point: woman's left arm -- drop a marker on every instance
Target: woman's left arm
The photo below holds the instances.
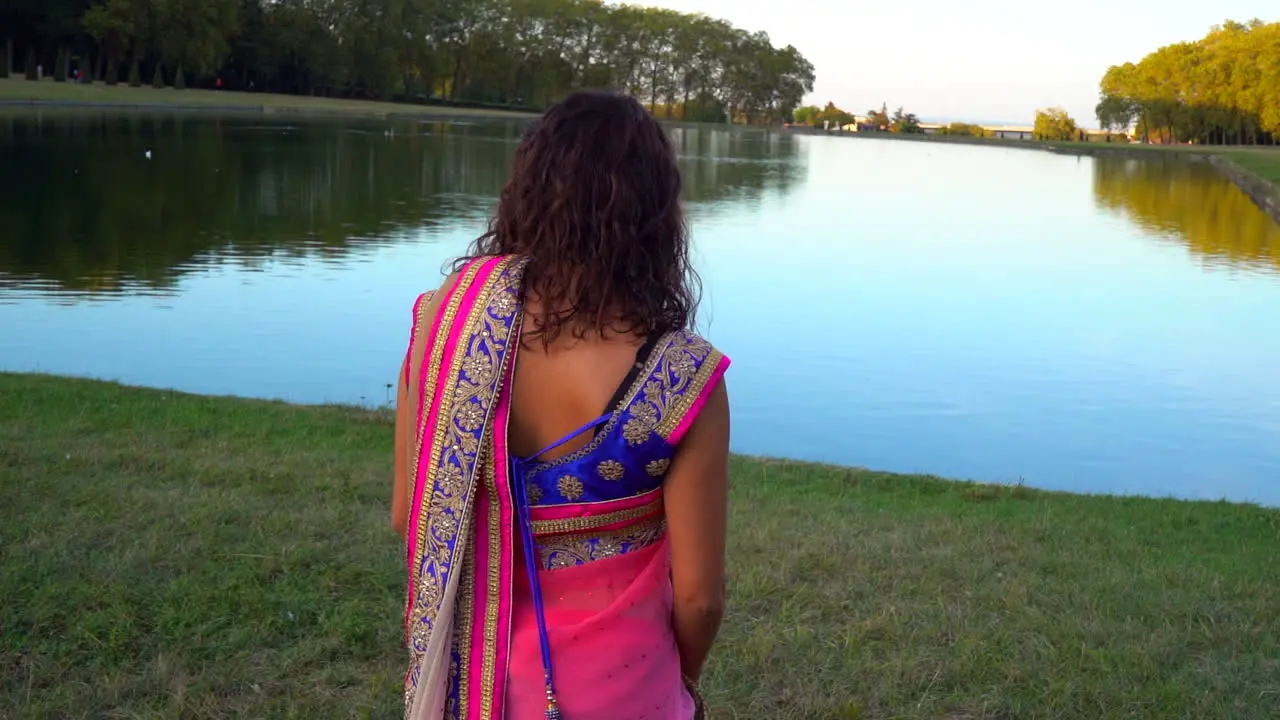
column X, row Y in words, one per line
column 407, row 405
column 406, row 411
column 404, row 430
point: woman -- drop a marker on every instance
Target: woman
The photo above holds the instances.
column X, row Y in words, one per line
column 562, row 443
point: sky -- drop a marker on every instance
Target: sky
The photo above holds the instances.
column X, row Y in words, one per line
column 988, row 62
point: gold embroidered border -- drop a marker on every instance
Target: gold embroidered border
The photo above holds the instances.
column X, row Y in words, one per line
column 448, row 504
column 419, row 330
column 430, row 377
column 511, row 278
column 565, row 551
column 655, row 359
column 583, row 524
column 684, row 399
column 493, row 589
column 465, row 620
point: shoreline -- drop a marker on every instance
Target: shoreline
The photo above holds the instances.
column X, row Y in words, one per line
column 231, row 557
column 1264, row 193
column 383, row 412
column 424, row 113
column 20, row 94
column 414, row 112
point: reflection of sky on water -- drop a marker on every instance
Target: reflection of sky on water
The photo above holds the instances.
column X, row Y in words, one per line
column 966, row 311
column 970, row 312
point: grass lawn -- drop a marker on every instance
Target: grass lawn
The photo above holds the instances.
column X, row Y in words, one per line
column 1264, row 163
column 166, row 555
column 1262, row 159
column 20, row 89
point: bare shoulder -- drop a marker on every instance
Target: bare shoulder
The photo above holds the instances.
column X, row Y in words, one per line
column 708, row 435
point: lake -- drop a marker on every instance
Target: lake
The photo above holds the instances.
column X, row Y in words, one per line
column 1095, row 325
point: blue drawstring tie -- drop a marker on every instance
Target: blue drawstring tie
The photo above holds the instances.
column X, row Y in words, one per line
column 518, row 467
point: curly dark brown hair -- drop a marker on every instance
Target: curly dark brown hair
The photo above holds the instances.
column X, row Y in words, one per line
column 594, row 203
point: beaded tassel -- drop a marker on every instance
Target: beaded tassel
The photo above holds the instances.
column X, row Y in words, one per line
column 553, row 710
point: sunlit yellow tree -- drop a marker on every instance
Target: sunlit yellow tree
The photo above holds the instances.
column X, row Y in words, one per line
column 965, row 130
column 1221, row 89
column 1055, row 124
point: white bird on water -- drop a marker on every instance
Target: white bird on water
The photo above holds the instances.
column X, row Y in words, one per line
column 148, row 154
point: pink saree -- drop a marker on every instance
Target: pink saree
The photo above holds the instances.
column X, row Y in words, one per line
column 538, row 589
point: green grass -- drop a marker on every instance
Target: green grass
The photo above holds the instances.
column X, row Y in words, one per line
column 1263, row 160
column 166, row 555
column 19, row 89
column 1264, row 164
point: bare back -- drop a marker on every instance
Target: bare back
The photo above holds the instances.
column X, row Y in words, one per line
column 560, row 388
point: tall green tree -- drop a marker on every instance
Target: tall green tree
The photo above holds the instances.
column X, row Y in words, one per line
column 880, row 118
column 525, row 53
column 904, row 122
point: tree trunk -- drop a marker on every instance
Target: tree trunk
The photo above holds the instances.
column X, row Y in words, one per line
column 6, row 58
column 62, row 66
column 113, row 71
column 457, row 77
column 135, row 72
column 29, row 66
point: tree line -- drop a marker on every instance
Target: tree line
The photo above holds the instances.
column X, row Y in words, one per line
column 831, row 116
column 1218, row 90
column 511, row 53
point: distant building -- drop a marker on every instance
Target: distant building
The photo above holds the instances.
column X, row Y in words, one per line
column 1012, row 132
column 861, row 123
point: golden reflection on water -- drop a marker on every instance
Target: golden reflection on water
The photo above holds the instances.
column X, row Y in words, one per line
column 1193, row 203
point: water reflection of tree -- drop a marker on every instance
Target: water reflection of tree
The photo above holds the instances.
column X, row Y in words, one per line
column 724, row 167
column 1193, row 202
column 90, row 213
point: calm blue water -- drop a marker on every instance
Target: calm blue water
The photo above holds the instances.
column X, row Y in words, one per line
column 980, row 313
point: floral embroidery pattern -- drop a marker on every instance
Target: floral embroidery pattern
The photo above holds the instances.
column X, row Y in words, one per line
column 690, row 364
column 479, row 367
column 686, row 365
column 570, row 487
column 611, row 470
column 535, row 492
column 470, row 417
column 658, row 468
column 642, row 421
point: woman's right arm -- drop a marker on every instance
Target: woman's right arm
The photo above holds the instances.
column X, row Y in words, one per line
column 696, row 496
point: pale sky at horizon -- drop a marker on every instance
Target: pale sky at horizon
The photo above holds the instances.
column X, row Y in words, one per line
column 958, row 61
